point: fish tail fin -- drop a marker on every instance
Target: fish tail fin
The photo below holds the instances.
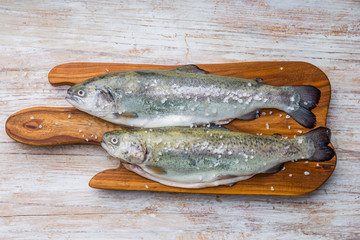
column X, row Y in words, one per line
column 309, row 98
column 321, row 138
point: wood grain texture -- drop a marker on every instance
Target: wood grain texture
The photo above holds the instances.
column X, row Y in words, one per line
column 44, row 126
column 43, row 189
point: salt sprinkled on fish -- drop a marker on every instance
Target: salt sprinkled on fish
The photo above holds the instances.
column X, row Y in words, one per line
column 220, row 98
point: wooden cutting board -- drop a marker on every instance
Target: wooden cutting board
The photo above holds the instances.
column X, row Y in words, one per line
column 52, row 126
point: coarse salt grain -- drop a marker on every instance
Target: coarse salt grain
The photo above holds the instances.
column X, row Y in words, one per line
column 31, row 117
column 147, row 186
column 272, row 188
column 40, row 126
column 69, row 116
column 299, row 131
column 306, row 173
column 267, row 125
column 290, row 175
column 281, row 68
column 287, row 116
column 80, row 130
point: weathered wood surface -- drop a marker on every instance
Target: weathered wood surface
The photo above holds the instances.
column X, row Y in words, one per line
column 43, row 190
column 53, row 126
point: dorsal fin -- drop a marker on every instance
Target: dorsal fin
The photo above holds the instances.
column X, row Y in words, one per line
column 191, row 68
column 259, row 80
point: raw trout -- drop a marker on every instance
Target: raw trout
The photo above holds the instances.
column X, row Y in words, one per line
column 185, row 96
column 204, row 157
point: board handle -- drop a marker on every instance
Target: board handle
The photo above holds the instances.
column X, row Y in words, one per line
column 44, row 126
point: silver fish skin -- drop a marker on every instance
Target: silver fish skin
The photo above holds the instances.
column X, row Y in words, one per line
column 185, row 96
column 204, row 157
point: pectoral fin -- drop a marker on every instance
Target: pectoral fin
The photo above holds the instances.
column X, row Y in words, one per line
column 157, row 170
column 125, row 115
column 222, row 177
column 259, row 80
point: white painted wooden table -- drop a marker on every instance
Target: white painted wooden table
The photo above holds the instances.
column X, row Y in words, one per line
column 44, row 191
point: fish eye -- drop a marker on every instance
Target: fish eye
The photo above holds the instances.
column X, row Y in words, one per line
column 81, row 93
column 114, row 140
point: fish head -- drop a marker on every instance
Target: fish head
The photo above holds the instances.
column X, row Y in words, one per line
column 125, row 146
column 93, row 98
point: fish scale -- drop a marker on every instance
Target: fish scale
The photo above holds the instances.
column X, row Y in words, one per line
column 185, row 96
column 201, row 157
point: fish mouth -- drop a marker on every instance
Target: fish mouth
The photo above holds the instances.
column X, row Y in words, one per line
column 75, row 101
column 106, row 147
column 103, row 144
column 110, row 150
column 70, row 99
column 80, row 104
